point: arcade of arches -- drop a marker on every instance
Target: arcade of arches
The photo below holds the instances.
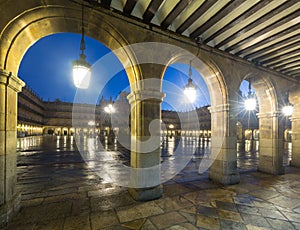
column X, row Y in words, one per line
column 23, row 23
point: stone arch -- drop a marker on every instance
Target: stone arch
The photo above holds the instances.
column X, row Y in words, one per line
column 265, row 91
column 33, row 24
column 222, row 162
column 211, row 74
column 270, row 124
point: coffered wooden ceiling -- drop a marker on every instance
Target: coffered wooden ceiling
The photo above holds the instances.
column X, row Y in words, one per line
column 265, row 32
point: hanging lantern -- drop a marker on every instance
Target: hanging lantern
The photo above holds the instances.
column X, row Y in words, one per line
column 81, row 68
column 190, row 89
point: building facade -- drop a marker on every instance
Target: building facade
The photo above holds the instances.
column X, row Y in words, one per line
column 38, row 117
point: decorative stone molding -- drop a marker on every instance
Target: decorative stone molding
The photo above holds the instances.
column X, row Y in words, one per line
column 141, row 95
column 11, row 81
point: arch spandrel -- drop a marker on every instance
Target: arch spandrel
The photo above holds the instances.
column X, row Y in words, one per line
column 265, row 91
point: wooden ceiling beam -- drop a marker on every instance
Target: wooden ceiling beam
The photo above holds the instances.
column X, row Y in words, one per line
column 227, row 9
column 239, row 19
column 257, row 22
column 265, row 31
column 194, row 16
column 128, row 8
column 151, row 10
column 265, row 50
column 180, row 6
column 269, row 39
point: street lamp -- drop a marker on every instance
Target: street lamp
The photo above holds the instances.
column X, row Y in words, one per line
column 81, row 68
column 109, row 109
column 190, row 88
column 250, row 102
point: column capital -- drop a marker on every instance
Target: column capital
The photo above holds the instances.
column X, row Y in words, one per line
column 268, row 115
column 8, row 79
column 295, row 118
column 141, row 95
column 219, row 108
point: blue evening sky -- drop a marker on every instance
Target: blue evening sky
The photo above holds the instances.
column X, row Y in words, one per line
column 47, row 69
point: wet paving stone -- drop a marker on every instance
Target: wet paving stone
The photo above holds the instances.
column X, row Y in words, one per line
column 138, row 211
column 148, row 226
column 80, row 222
column 285, row 202
column 111, row 202
column 255, row 220
column 173, row 203
column 247, row 209
column 183, row 226
column 137, row 224
column 106, row 219
column 280, row 224
column 231, row 225
column 271, row 213
column 230, row 206
column 265, row 194
column 191, row 217
column 59, row 191
column 207, row 211
column 294, row 217
column 229, row 215
column 167, row 219
column 208, row 222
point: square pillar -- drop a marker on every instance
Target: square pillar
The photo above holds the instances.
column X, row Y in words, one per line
column 145, row 144
column 295, row 119
column 9, row 197
column 295, row 141
column 270, row 143
column 223, row 146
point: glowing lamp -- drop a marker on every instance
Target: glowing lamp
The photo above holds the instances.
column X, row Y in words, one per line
column 81, row 73
column 190, row 91
column 109, row 109
column 81, row 68
column 250, row 104
column 288, row 110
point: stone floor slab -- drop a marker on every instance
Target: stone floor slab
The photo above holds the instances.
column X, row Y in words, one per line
column 60, row 192
column 138, row 211
column 80, row 222
column 280, row 224
column 231, row 225
column 255, row 220
column 229, row 215
column 167, row 220
column 105, row 219
column 208, row 222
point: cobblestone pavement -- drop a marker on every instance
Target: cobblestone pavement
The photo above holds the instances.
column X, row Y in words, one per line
column 60, row 192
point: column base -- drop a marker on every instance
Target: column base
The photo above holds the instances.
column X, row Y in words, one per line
column 265, row 169
column 146, row 194
column 225, row 179
column 9, row 209
column 295, row 163
column 224, row 172
column 266, row 165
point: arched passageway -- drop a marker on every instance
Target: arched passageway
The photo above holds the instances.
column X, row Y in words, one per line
column 25, row 23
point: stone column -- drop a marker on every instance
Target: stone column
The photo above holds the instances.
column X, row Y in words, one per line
column 270, row 143
column 223, row 146
column 145, row 143
column 295, row 119
column 9, row 197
